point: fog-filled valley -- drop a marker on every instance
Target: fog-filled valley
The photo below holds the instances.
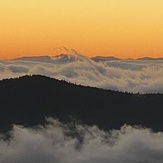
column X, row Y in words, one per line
column 144, row 75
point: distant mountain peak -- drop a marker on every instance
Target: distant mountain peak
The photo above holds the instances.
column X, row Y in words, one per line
column 66, row 55
column 66, row 58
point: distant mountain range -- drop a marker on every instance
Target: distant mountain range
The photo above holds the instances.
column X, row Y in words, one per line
column 35, row 59
column 64, row 58
column 111, row 58
column 148, row 58
column 28, row 100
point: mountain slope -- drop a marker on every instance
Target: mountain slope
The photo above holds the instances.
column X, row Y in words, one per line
column 29, row 99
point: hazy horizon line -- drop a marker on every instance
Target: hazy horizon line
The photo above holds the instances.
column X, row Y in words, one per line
column 102, row 56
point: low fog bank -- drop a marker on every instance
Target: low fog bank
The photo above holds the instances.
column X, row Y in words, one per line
column 143, row 76
column 76, row 143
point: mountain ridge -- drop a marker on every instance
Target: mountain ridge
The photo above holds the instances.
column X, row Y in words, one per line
column 28, row 100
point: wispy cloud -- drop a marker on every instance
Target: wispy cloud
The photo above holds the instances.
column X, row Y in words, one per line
column 61, row 143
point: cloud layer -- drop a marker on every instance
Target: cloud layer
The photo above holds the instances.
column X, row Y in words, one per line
column 142, row 76
column 71, row 143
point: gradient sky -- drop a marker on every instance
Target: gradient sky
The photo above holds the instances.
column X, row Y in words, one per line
column 121, row 28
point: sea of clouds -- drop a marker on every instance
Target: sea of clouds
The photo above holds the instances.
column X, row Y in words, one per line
column 76, row 143
column 143, row 76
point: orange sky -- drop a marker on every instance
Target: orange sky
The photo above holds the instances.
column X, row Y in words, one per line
column 121, row 28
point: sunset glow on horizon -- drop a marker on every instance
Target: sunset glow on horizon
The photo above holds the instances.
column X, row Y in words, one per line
column 124, row 29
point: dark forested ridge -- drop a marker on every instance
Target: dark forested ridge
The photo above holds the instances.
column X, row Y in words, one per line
column 28, row 100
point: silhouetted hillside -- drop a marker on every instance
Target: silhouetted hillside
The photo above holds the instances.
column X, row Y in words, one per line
column 29, row 99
